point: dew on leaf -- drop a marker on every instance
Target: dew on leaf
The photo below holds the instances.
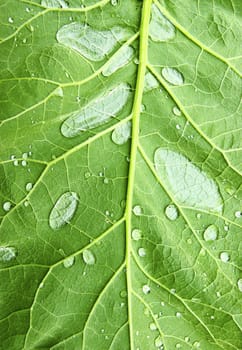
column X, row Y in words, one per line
column 91, row 43
column 238, row 214
column 15, row 162
column 239, row 283
column 178, row 126
column 171, row 212
column 196, row 344
column 187, row 339
column 189, row 185
column 173, row 76
column 158, row 341
column 150, row 82
column 224, row 257
column 24, row 163
column 69, row 262
column 137, row 210
column 142, row 108
column 88, row 257
column 7, row 254
column 114, row 2
column 97, row 112
column 87, row 175
column 10, row 20
column 63, row 210
column 26, row 203
column 153, row 326
column 146, row 289
column 160, row 29
column 54, row 3
column 136, row 234
column 211, row 233
column 29, row 186
column 7, row 206
column 176, row 111
column 178, row 346
column 123, row 294
column 25, row 155
column 178, row 315
column 118, row 60
column 141, row 252
column 121, row 133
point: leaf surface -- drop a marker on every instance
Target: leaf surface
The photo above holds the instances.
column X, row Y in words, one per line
column 120, row 129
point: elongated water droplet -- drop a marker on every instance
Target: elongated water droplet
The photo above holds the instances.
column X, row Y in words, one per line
column 69, row 262
column 224, row 257
column 211, row 233
column 239, row 283
column 137, row 210
column 146, row 289
column 171, row 212
column 136, row 234
column 63, row 210
column 29, row 186
column 158, row 341
column 7, row 253
column 160, row 29
column 97, row 112
column 141, row 252
column 150, row 82
column 176, row 111
column 173, row 76
column 119, row 60
column 88, row 257
column 121, row 133
column 7, row 206
column 54, row 3
column 91, row 43
column 189, row 185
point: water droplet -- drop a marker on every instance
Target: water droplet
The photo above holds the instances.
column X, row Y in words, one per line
column 176, row 111
column 137, row 210
column 54, row 3
column 24, row 163
column 25, row 155
column 187, row 339
column 97, row 112
column 211, row 233
column 226, row 228
column 114, row 2
column 15, row 162
column 238, row 214
column 29, row 186
column 189, row 241
column 141, row 252
column 69, row 262
column 218, row 294
column 212, row 317
column 63, row 210
column 173, row 76
column 105, row 181
column 178, row 346
column 7, row 206
column 88, row 257
column 158, row 341
column 93, row 44
column 239, row 283
column 224, row 257
column 178, row 127
column 146, row 289
column 26, row 203
column 150, row 82
column 136, row 234
column 160, row 29
column 196, row 344
column 118, row 60
column 162, row 303
column 171, row 212
column 123, row 294
column 121, row 133
column 198, row 216
column 7, row 254
column 153, row 326
column 189, row 185
column 178, row 315
column 10, row 20
column 173, row 291
column 87, row 175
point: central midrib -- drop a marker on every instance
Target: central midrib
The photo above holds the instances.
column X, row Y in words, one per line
column 143, row 55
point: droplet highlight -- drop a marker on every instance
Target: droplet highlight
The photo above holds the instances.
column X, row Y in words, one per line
column 136, row 234
column 7, row 206
column 146, row 289
column 54, row 3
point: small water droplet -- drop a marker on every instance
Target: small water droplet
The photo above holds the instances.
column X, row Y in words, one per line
column 123, row 294
column 63, row 210
column 27, row 9
column 211, row 233
column 178, row 315
column 153, row 326
column 196, row 344
column 146, row 289
column 7, row 254
column 212, row 317
column 114, row 2
column 189, row 241
column 173, row 76
column 198, row 216
column 238, row 214
column 239, row 283
column 136, row 234
column 162, row 303
column 137, row 210
column 87, row 175
column 88, row 257
column 178, row 346
column 141, row 252
column 178, row 127
column 150, row 82
column 158, row 341
column 187, row 339
column 176, row 111
column 69, row 262
column 136, row 60
column 10, row 20
column 105, row 181
column 24, row 163
column 224, row 257
column 171, row 212
column 29, row 186
column 26, row 203
column 121, row 133
column 25, row 155
column 7, row 206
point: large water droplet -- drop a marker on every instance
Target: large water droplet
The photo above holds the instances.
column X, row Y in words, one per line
column 29, row 186
column 141, row 252
column 160, row 29
column 150, row 82
column 7, row 206
column 146, row 289
column 189, row 185
column 54, row 3
column 172, row 75
column 88, row 257
column 121, row 133
column 171, row 212
column 238, row 214
column 224, row 257
column 91, row 43
column 136, row 234
column 69, row 262
column 211, row 233
column 239, row 283
column 158, row 341
column 7, row 253
column 119, row 60
column 137, row 210
column 99, row 111
column 63, row 210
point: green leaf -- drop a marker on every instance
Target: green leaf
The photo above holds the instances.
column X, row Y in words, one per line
column 120, row 129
